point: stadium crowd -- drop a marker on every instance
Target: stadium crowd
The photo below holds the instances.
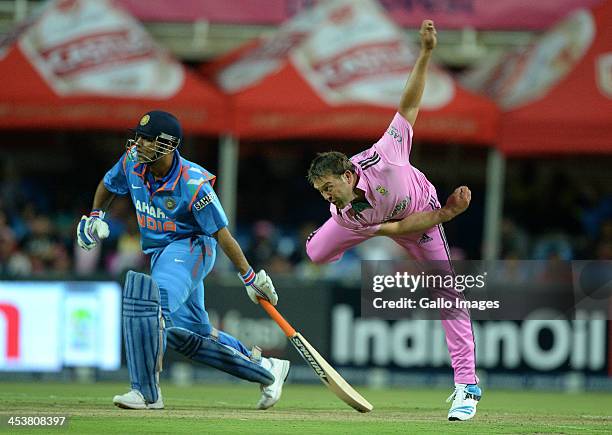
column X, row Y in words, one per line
column 547, row 216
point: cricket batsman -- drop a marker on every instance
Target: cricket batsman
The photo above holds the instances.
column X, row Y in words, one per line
column 181, row 223
column 379, row 193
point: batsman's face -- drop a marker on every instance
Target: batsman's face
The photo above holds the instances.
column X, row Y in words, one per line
column 145, row 148
column 337, row 189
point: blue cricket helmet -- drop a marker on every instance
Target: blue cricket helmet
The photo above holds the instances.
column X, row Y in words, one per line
column 162, row 129
column 156, row 122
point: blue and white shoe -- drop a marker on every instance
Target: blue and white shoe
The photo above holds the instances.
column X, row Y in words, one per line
column 466, row 398
column 272, row 393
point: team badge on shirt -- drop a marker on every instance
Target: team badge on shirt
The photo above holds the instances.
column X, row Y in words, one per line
column 170, row 203
column 380, row 189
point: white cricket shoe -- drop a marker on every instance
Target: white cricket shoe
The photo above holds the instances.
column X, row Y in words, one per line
column 466, row 398
column 272, row 393
column 135, row 400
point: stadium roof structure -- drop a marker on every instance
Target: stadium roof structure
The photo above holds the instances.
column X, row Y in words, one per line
column 337, row 71
column 85, row 64
column 556, row 96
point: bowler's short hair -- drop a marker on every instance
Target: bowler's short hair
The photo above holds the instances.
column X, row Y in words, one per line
column 329, row 163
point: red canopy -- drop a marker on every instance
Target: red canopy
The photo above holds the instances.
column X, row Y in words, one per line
column 557, row 95
column 337, row 71
column 85, row 64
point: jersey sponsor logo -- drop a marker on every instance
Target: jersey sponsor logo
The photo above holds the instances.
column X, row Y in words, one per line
column 399, row 208
column 395, row 134
column 153, row 218
column 150, row 209
column 203, row 202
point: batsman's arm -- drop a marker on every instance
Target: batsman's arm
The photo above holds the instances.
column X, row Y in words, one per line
column 456, row 204
column 413, row 91
column 232, row 249
column 103, row 198
column 257, row 285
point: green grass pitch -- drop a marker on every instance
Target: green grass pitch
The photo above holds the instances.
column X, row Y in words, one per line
column 303, row 409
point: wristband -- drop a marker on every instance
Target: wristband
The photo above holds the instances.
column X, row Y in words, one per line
column 249, row 277
column 97, row 213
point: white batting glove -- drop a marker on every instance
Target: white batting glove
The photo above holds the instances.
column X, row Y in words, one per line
column 91, row 230
column 259, row 286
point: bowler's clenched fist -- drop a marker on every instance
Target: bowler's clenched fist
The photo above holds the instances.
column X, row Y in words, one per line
column 428, row 35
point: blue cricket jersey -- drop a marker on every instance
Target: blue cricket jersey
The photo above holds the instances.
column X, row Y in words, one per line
column 181, row 205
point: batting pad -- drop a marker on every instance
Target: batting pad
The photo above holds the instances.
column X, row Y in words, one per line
column 207, row 350
column 143, row 329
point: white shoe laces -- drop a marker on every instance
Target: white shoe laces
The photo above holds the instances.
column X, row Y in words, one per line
column 454, row 393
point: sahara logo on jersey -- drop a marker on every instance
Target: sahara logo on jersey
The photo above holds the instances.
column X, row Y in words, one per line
column 153, row 218
column 203, row 202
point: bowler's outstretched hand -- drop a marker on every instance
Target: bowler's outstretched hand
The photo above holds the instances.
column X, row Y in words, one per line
column 428, row 34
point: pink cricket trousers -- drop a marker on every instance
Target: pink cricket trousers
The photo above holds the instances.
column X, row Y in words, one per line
column 331, row 240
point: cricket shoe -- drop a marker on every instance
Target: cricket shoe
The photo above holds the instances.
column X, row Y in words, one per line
column 135, row 400
column 466, row 398
column 272, row 393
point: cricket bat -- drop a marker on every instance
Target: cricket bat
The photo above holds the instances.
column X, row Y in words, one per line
column 328, row 375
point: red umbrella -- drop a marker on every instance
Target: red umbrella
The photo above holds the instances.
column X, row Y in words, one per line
column 84, row 64
column 337, row 71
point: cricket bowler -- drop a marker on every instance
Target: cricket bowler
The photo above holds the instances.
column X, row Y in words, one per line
column 379, row 193
column 181, row 223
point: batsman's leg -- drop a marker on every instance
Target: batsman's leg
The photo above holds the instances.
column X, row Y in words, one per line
column 208, row 350
column 143, row 330
column 279, row 369
column 188, row 329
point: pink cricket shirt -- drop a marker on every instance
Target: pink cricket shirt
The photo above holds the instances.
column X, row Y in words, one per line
column 393, row 187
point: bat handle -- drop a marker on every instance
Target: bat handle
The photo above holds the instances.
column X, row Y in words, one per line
column 275, row 315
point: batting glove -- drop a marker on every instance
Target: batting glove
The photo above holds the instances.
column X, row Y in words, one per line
column 259, row 286
column 91, row 230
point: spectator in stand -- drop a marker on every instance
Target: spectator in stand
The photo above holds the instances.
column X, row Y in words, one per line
column 129, row 254
column 263, row 246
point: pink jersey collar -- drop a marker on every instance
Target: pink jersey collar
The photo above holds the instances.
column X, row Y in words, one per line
column 362, row 184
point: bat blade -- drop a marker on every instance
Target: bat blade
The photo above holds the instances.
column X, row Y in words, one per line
column 329, row 376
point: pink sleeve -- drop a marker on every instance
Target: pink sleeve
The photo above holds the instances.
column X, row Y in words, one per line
column 395, row 144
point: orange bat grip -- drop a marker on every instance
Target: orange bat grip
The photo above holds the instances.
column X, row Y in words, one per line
column 280, row 320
